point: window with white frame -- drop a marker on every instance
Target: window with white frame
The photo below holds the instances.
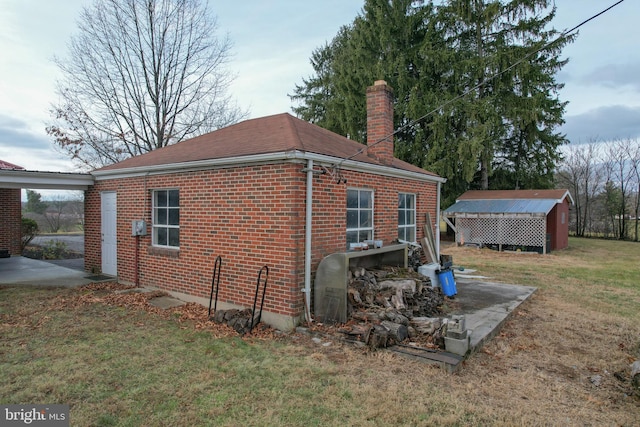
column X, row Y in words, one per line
column 359, row 215
column 166, row 218
column 407, row 217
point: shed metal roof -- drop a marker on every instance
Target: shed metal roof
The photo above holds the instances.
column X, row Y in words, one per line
column 506, row 206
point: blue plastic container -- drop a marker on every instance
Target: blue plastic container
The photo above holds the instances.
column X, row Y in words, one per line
column 447, row 283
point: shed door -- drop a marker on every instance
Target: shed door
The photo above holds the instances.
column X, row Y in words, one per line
column 109, row 234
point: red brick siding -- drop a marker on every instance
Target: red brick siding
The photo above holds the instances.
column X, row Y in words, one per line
column 380, row 121
column 10, row 220
column 92, row 224
column 329, row 215
column 251, row 216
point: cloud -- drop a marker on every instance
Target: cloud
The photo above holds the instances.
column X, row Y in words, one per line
column 16, row 133
column 604, row 124
column 21, row 145
column 616, row 76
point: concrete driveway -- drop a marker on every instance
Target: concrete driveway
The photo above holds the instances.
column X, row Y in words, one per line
column 18, row 270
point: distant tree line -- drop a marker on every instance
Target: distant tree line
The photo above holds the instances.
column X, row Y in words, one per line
column 57, row 214
column 604, row 180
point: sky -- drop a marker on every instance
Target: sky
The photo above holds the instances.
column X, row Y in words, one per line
column 272, row 43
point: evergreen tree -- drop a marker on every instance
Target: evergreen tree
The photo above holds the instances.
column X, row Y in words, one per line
column 474, row 81
column 35, row 203
column 384, row 42
column 505, row 64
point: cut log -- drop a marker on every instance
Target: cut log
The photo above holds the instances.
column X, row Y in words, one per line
column 412, row 332
column 366, row 316
column 237, row 319
column 396, row 331
column 396, row 317
column 218, row 316
column 369, row 297
column 397, row 302
column 382, row 301
column 426, row 325
column 354, row 296
column 359, row 332
column 409, row 284
column 379, row 337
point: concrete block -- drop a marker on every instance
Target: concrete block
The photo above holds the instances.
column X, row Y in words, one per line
column 456, row 346
column 458, row 335
column 457, row 323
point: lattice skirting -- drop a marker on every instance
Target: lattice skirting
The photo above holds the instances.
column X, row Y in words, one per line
column 502, row 230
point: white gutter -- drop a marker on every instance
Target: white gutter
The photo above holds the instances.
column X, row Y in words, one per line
column 13, row 178
column 307, row 241
column 292, row 155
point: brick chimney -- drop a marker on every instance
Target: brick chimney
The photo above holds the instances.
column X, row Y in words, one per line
column 380, row 121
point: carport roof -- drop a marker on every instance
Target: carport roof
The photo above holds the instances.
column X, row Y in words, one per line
column 11, row 166
column 20, row 178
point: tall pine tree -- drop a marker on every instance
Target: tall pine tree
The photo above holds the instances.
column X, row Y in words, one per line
column 467, row 105
column 513, row 111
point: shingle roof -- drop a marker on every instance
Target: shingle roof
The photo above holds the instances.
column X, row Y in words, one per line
column 7, row 165
column 271, row 134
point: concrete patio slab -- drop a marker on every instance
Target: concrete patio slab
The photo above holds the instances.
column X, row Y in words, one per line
column 166, row 302
column 18, row 270
column 486, row 306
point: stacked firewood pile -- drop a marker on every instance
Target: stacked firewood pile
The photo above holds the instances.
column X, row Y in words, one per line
column 415, row 257
column 391, row 306
column 239, row 320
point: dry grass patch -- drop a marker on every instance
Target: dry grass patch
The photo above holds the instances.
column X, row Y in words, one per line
column 561, row 359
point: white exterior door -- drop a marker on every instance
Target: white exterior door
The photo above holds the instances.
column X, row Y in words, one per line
column 109, row 233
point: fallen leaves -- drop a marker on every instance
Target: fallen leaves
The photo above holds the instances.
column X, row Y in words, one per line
column 188, row 315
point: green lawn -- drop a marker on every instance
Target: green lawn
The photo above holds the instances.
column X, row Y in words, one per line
column 123, row 366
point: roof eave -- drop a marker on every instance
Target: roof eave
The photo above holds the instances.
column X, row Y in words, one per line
column 45, row 180
column 290, row 155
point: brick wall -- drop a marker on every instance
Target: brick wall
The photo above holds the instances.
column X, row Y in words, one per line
column 251, row 216
column 380, row 121
column 10, row 220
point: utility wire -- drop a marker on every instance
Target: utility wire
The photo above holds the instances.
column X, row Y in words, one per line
column 482, row 83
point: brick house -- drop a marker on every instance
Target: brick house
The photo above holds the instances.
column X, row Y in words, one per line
column 275, row 191
column 11, row 214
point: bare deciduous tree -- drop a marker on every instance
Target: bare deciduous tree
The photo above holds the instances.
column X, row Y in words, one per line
column 582, row 174
column 54, row 215
column 634, row 163
column 140, row 75
column 620, row 173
